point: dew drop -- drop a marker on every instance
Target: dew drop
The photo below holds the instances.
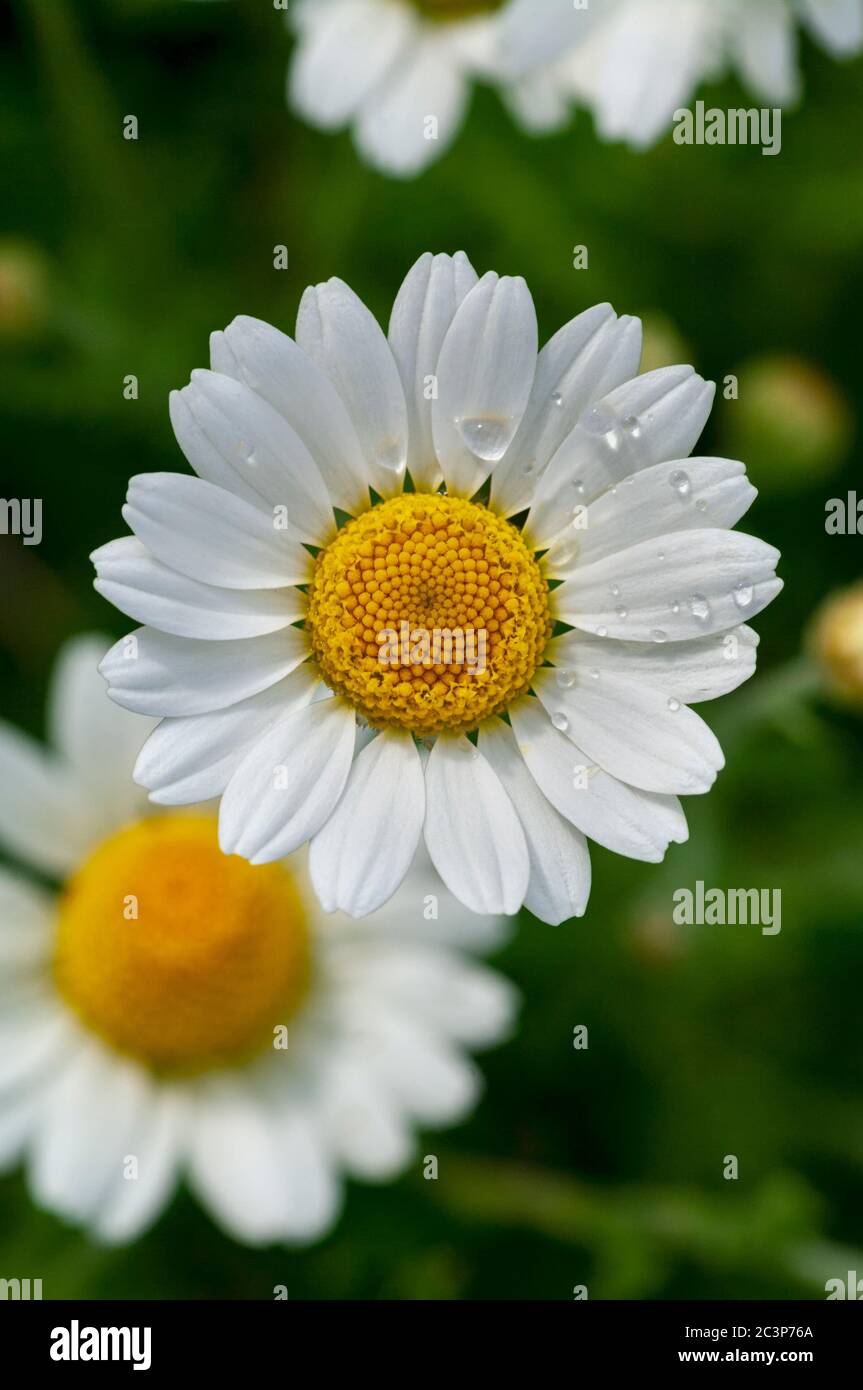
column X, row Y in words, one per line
column 661, row 556
column 391, row 456
column 557, row 399
column 673, row 705
column 658, row 635
column 699, row 607
column 682, row 485
column 599, row 419
column 615, row 591
column 622, row 613
column 565, row 553
column 602, row 632
column 565, row 679
column 675, row 607
column 701, row 506
column 560, row 721
column 593, row 673
column 251, row 458
column 742, row 594
column 632, row 426
column 579, row 487
column 486, row 436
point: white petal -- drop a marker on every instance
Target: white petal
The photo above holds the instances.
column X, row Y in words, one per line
column 654, row 417
column 193, row 759
column 345, row 51
column 590, row 356
column 485, row 375
column 559, row 858
column 364, row 1125
column 289, row 783
column 134, row 1203
column 535, row 32
column 537, row 104
column 686, row 585
column 42, row 811
column 94, row 737
column 144, row 589
column 364, row 850
column 208, row 534
column 764, row 44
column 392, row 130
column 82, row 1140
column 838, row 24
column 273, row 365
column 257, row 446
column 340, row 334
column 209, row 459
column 235, row 1166
column 423, row 311
column 635, row 732
column 467, row 1002
column 702, row 669
column 685, row 495
column 429, row 1078
column 153, row 673
column 637, row 824
column 26, row 922
column 314, row 1192
column 472, row 831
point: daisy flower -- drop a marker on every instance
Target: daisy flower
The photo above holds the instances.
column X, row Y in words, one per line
column 174, row 1013
column 399, row 73
column 636, row 62
column 551, row 511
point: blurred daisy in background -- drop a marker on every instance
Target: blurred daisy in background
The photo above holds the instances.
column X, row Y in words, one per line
column 171, row 1013
column 399, row 73
column 615, row 599
column 635, row 62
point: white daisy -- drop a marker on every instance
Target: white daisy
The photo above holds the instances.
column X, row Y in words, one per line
column 174, row 1013
column 582, row 733
column 399, row 73
column 635, row 62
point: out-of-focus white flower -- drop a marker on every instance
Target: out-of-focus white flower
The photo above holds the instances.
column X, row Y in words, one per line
column 399, row 73
column 635, row 62
column 176, row 1013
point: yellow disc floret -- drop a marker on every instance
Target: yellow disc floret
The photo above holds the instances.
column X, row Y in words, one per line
column 456, row 9
column 428, row 613
column 176, row 954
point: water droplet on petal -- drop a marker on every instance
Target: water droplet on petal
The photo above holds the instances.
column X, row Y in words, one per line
column 593, row 673
column 565, row 554
column 251, row 458
column 622, row 613
column 579, row 487
column 673, row 705
column 560, row 721
column 675, row 607
column 565, row 679
column 742, row 594
column 661, row 556
column 486, row 436
column 701, row 506
column 658, row 635
column 615, row 591
column 390, row 455
column 681, row 483
column 602, row 632
column 632, row 426
column 699, row 607
column 557, row 399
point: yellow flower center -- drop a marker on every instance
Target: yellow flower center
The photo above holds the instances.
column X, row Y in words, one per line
column 176, row 954
column 455, row 9
column 428, row 613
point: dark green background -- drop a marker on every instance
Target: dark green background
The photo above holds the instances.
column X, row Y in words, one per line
column 601, row 1167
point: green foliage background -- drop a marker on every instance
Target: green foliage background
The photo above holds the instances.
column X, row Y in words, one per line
column 601, row 1167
